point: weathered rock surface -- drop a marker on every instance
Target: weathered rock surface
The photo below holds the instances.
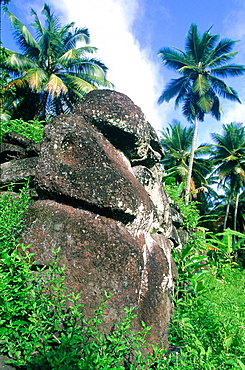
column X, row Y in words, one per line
column 123, row 123
column 18, row 158
column 78, row 163
column 16, row 146
column 101, row 201
column 4, row 363
column 17, row 170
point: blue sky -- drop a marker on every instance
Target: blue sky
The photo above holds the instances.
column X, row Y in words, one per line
column 129, row 34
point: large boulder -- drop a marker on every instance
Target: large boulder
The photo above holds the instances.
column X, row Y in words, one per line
column 101, row 201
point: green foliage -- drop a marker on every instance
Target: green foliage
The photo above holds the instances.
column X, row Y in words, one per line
column 210, row 327
column 189, row 211
column 43, row 327
column 7, row 94
column 207, row 327
column 227, row 244
column 12, row 208
column 30, row 129
column 191, row 260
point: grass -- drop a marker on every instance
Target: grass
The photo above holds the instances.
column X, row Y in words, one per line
column 211, row 325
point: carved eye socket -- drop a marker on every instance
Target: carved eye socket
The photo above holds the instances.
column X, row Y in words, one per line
column 69, row 149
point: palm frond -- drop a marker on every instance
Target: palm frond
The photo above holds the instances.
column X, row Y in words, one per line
column 36, row 79
column 193, row 41
column 52, row 23
column 175, row 87
column 198, row 47
column 173, row 59
column 55, row 86
column 203, row 149
column 17, row 83
column 229, row 71
column 73, row 56
column 190, row 108
column 224, row 46
column 216, row 109
column 200, row 85
column 177, row 138
column 96, row 80
column 219, row 61
column 223, row 90
column 37, row 24
column 208, row 42
column 22, row 35
column 89, row 66
column 205, row 103
column 71, row 38
column 78, row 85
column 18, row 62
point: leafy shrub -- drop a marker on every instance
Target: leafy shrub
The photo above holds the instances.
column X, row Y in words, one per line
column 208, row 325
column 189, row 211
column 12, row 208
column 31, row 129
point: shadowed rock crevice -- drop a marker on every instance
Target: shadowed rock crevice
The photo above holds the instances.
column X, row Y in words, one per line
column 124, row 141
column 115, row 214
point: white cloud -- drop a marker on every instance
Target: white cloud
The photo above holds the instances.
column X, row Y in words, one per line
column 235, row 113
column 131, row 69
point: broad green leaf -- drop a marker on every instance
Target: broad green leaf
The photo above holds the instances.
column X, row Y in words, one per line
column 241, row 364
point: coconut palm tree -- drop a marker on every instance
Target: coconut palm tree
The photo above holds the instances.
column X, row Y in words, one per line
column 221, row 207
column 52, row 73
column 199, row 88
column 229, row 157
column 176, row 141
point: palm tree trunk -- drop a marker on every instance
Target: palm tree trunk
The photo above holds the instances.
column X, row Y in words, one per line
column 193, row 146
column 41, row 105
column 235, row 213
column 227, row 211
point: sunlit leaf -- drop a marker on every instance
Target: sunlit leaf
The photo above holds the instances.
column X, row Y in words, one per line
column 55, row 86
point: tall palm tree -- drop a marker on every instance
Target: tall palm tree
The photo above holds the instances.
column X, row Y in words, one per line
column 176, row 141
column 229, row 157
column 52, row 73
column 226, row 214
column 199, row 88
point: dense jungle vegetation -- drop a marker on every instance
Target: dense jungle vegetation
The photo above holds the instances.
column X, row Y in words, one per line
column 206, row 183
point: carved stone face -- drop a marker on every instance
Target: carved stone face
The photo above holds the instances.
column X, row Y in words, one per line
column 93, row 206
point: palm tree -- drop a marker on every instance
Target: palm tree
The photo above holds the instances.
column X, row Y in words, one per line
column 198, row 88
column 229, row 157
column 52, row 73
column 226, row 214
column 176, row 141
